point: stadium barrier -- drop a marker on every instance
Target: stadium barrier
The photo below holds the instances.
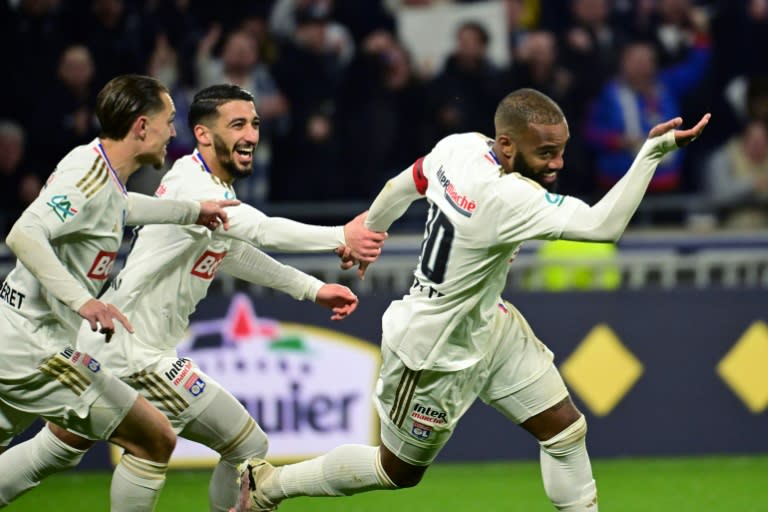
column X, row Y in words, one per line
column 656, row 372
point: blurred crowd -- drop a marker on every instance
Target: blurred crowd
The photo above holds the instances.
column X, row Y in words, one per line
column 344, row 106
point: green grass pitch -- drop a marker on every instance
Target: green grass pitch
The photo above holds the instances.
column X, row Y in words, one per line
column 711, row 484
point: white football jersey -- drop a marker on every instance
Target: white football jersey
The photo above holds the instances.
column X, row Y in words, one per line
column 166, row 273
column 478, row 218
column 83, row 207
column 169, row 269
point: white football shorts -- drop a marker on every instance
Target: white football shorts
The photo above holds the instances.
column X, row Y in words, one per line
column 42, row 376
column 419, row 409
column 176, row 386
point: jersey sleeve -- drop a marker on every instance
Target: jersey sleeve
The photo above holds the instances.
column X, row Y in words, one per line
column 419, row 179
column 398, row 193
column 67, row 203
column 526, row 211
column 143, row 209
column 250, row 225
column 250, row 264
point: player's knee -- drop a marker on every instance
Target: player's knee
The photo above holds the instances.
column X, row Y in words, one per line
column 160, row 442
column 411, row 479
column 568, row 439
column 402, row 474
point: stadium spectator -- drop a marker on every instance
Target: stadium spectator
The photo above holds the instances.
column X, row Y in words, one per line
column 538, row 66
column 19, row 186
column 631, row 104
column 380, row 89
column 452, row 339
column 363, row 18
column 69, row 104
column 165, row 65
column 240, row 65
column 307, row 58
column 33, row 35
column 288, row 15
column 672, row 25
column 737, row 178
column 590, row 47
column 516, row 17
column 65, row 243
column 462, row 95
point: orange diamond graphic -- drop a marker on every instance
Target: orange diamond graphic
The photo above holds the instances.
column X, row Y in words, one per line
column 601, row 370
column 743, row 367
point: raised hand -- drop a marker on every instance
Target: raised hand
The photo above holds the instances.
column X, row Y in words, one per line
column 212, row 213
column 100, row 316
column 338, row 299
column 682, row 137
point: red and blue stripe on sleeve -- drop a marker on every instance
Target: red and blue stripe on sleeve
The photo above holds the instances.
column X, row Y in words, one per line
column 418, row 176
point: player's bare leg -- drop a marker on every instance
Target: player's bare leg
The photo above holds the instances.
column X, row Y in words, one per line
column 146, row 435
column 565, row 466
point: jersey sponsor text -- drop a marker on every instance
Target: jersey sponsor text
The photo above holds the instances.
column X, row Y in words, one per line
column 205, row 267
column 102, row 265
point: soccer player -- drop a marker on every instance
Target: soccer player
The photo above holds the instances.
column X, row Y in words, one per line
column 169, row 269
column 65, row 243
column 452, row 339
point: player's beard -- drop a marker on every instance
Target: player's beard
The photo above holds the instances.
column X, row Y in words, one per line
column 156, row 161
column 224, row 156
column 519, row 164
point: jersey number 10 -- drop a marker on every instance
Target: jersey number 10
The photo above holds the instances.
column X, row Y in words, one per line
column 436, row 245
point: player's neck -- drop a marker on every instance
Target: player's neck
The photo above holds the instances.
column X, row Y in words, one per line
column 122, row 158
column 213, row 165
column 501, row 158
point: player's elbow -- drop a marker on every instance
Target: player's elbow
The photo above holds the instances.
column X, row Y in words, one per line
column 13, row 240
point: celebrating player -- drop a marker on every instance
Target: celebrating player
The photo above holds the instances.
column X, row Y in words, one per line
column 452, row 339
column 65, row 243
column 170, row 268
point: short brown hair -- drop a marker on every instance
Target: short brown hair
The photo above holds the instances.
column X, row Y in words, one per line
column 523, row 107
column 124, row 99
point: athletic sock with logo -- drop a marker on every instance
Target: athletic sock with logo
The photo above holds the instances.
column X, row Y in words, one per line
column 345, row 470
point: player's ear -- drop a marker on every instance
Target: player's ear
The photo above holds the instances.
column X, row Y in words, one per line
column 140, row 127
column 507, row 145
column 203, row 135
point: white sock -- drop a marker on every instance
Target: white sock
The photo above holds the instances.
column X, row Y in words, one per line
column 345, row 470
column 136, row 484
column 567, row 472
column 33, row 460
column 223, row 490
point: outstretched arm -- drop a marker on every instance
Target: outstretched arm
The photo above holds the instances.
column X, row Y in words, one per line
column 250, row 264
column 608, row 218
column 250, row 225
column 390, row 204
column 392, row 201
column 144, row 209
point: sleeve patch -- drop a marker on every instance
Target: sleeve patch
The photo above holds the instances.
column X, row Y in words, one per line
column 419, row 179
column 555, row 199
column 62, row 207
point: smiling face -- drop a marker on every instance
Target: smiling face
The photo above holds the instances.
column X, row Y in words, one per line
column 234, row 134
column 157, row 130
column 539, row 153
